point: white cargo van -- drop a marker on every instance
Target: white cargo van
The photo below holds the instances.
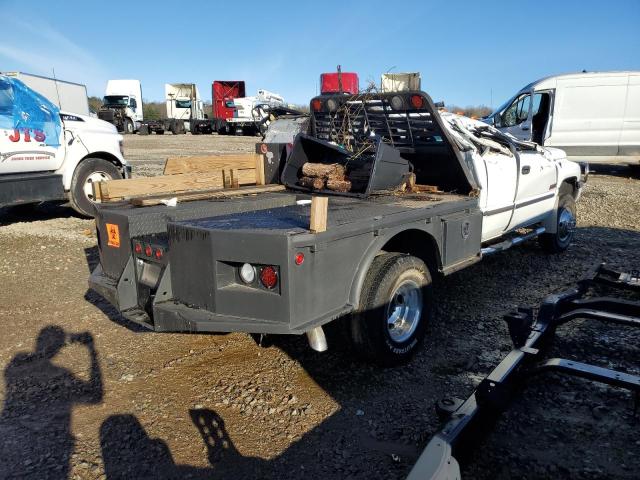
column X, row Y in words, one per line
column 593, row 116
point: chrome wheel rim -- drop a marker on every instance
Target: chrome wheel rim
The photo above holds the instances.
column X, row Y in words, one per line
column 91, row 179
column 566, row 225
column 404, row 310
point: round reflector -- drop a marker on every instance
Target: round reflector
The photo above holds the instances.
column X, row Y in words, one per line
column 396, row 102
column 316, row 104
column 148, row 251
column 159, row 253
column 137, row 247
column 247, row 273
column 299, row 258
column 269, row 277
column 417, row 101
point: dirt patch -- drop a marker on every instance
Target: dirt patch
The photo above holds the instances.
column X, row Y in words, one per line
column 122, row 402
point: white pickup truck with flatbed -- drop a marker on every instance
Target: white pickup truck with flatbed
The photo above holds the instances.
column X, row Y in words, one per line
column 49, row 155
column 428, row 193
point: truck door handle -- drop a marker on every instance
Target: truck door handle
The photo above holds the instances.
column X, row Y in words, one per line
column 526, row 169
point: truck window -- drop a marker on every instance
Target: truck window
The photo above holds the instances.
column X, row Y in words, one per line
column 6, row 99
column 132, row 103
column 183, row 103
column 517, row 112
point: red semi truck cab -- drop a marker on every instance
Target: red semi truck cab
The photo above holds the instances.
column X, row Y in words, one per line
column 222, row 93
column 339, row 82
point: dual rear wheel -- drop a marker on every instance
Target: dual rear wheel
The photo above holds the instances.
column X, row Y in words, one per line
column 395, row 309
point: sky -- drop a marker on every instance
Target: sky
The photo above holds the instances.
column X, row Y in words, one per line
column 468, row 52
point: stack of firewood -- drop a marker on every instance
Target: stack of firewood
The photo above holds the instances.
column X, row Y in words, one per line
column 320, row 176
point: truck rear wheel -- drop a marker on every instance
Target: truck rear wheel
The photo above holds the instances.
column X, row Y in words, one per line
column 560, row 241
column 395, row 308
column 88, row 172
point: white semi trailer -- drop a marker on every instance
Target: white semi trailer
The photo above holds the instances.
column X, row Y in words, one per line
column 67, row 96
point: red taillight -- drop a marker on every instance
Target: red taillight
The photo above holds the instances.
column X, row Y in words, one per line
column 316, row 104
column 137, row 247
column 159, row 253
column 269, row 277
column 417, row 101
column 148, row 251
column 299, row 258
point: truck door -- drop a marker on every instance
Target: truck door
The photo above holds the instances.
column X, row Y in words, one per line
column 498, row 192
column 537, row 183
column 515, row 119
column 30, row 136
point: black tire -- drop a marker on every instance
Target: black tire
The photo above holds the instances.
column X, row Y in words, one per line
column 80, row 201
column 558, row 242
column 159, row 132
column 128, row 127
column 394, row 280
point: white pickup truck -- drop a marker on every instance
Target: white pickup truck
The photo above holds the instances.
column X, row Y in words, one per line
column 48, row 155
column 424, row 193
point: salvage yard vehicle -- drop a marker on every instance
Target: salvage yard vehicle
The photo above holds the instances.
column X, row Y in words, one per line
column 593, row 116
column 122, row 105
column 46, row 154
column 420, row 193
column 70, row 97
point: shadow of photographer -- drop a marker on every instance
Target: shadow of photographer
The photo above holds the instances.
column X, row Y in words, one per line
column 35, row 424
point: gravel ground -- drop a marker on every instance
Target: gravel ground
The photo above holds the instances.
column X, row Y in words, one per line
column 120, row 402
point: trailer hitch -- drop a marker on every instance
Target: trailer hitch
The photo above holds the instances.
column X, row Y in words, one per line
column 530, row 334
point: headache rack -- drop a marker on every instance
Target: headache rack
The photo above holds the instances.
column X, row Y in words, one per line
column 404, row 120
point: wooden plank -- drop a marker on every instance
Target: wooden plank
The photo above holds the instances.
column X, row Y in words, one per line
column 260, row 178
column 208, row 195
column 208, row 163
column 169, row 184
column 319, row 207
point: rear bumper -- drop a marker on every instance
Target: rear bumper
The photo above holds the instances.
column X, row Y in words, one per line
column 172, row 316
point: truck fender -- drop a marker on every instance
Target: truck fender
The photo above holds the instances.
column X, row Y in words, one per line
column 550, row 223
column 69, row 168
column 377, row 247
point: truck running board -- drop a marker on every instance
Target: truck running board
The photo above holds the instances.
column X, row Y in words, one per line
column 510, row 242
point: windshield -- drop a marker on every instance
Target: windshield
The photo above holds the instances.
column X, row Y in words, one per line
column 6, row 98
column 183, row 103
column 116, row 100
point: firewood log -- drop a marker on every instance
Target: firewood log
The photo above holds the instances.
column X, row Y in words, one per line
column 321, row 170
column 339, row 185
column 311, row 182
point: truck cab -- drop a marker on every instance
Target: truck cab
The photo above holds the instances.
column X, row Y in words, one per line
column 46, row 154
column 122, row 105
